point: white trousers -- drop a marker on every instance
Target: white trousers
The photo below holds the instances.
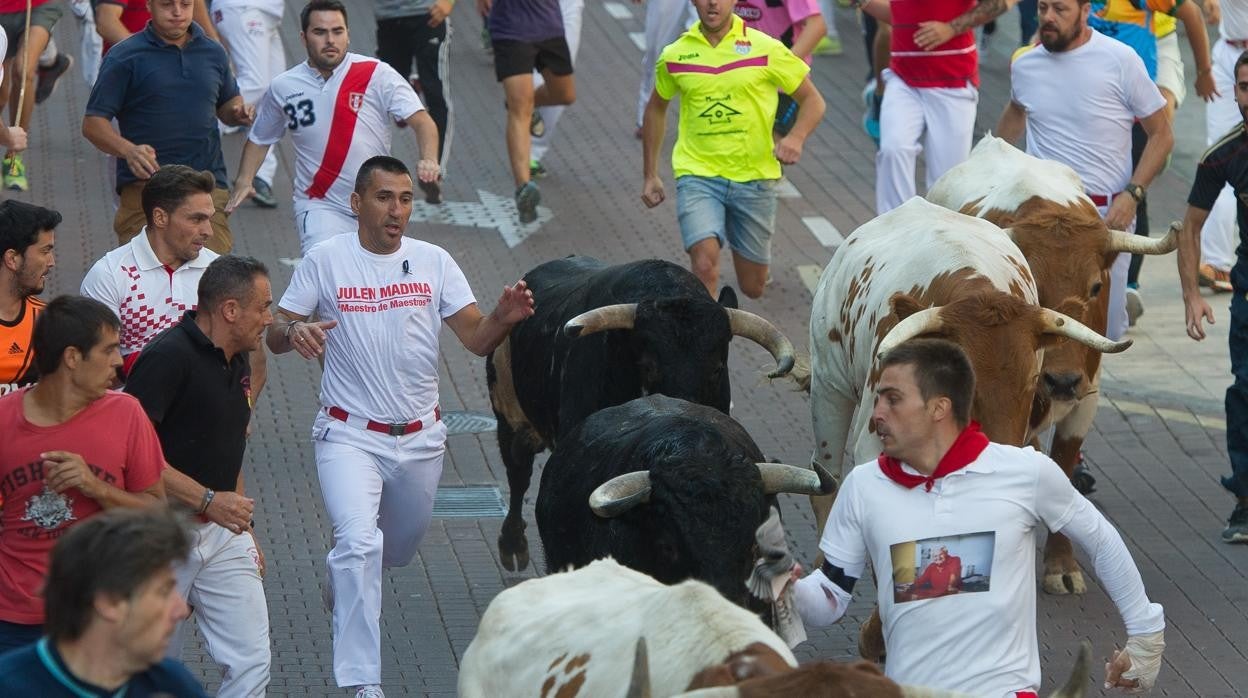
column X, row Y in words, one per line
column 221, row 581
column 1118, row 322
column 1220, row 234
column 317, row 223
column 572, row 11
column 940, row 121
column 91, row 48
column 378, row 492
column 255, row 42
column 666, row 20
column 829, row 17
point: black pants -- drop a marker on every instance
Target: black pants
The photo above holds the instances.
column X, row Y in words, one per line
column 1139, row 139
column 404, row 40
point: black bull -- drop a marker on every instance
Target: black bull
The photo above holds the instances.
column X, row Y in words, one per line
column 666, row 487
column 601, row 336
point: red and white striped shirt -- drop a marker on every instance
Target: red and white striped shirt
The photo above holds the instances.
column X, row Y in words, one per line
column 336, row 124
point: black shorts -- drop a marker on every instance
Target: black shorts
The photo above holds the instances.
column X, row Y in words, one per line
column 521, row 57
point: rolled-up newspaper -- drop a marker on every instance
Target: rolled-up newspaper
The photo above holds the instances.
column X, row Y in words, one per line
column 771, row 576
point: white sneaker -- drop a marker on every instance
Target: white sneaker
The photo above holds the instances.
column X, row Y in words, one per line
column 369, row 692
column 1135, row 306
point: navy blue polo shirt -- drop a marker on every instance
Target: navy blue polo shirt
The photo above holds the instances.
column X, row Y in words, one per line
column 166, row 97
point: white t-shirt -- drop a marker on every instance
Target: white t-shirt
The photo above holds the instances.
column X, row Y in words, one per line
column 4, row 50
column 336, row 124
column 273, row 7
column 147, row 296
column 981, row 640
column 1234, row 24
column 1081, row 105
column 381, row 361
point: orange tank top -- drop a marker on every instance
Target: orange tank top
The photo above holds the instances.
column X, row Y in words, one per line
column 17, row 356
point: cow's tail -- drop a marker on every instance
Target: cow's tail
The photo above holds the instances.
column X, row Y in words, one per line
column 800, row 375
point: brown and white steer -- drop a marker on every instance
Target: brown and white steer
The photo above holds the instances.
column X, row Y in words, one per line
column 921, row 269
column 1042, row 206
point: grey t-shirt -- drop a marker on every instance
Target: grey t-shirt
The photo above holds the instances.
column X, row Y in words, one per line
column 389, row 9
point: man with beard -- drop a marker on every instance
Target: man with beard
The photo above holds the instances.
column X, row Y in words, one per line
column 166, row 86
column 338, row 107
column 1226, row 163
column 940, row 477
column 1077, row 96
column 26, row 240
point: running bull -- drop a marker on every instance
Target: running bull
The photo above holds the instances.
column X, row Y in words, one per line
column 603, row 335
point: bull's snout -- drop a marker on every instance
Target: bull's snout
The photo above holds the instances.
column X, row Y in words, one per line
column 1061, row 386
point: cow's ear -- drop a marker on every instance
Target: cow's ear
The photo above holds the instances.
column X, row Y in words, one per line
column 728, row 297
column 904, row 305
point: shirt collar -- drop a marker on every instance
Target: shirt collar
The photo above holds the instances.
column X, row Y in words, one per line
column 979, row 465
column 146, row 258
column 203, row 341
column 150, row 34
column 346, row 63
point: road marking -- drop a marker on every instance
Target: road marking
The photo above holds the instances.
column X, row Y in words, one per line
column 290, row 261
column 785, row 189
column 1170, row 415
column 617, row 10
column 823, row 230
column 639, row 40
column 809, row 274
column 492, row 211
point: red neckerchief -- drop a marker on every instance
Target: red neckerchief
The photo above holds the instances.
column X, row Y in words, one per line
column 965, row 449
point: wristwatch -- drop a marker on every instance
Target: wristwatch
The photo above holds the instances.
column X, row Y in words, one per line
column 1136, row 191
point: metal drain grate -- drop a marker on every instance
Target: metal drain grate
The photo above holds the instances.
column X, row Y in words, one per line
column 469, row 502
column 469, row 422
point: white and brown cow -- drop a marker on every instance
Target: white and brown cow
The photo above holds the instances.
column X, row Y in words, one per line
column 921, row 269
column 1042, row 206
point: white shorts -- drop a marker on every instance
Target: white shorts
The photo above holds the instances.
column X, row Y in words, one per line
column 316, row 224
column 1170, row 75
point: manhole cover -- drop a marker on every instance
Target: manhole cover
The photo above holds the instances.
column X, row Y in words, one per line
column 469, row 502
column 469, row 422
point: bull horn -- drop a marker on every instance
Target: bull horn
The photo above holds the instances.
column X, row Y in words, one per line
column 639, row 684
column 1120, row 241
column 620, row 493
column 608, row 317
column 925, row 692
column 752, row 327
column 1065, row 325
column 778, row 477
column 920, row 323
column 1077, row 685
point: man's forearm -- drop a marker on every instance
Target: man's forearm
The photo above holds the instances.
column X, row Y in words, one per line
column 110, row 497
column 249, row 163
column 1012, row 123
column 229, row 114
column 1189, row 251
column 108, row 24
column 426, row 134
column 653, row 127
column 1153, row 159
column 810, row 109
column 813, row 29
column 182, row 488
column 488, row 334
column 104, row 137
column 1197, row 36
column 983, row 12
column 881, row 10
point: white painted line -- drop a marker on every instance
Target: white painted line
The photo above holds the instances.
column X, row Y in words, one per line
column 618, row 10
column 290, row 261
column 639, row 39
column 809, row 273
column 786, row 190
column 823, row 230
column 1170, row 415
column 491, row 211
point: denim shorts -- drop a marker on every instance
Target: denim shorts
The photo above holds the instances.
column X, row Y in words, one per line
column 741, row 215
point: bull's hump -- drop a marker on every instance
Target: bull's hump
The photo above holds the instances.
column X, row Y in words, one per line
column 997, row 177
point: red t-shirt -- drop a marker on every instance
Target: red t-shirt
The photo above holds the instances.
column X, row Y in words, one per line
column 11, row 6
column 939, row 578
column 113, row 435
column 134, row 15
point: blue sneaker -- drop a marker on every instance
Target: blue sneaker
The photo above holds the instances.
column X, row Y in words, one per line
column 871, row 117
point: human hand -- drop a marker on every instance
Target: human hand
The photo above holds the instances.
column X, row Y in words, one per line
column 788, row 150
column 1213, row 12
column 242, row 192
column 1194, row 310
column 141, row 159
column 231, row 511
column 483, row 7
column 428, row 171
column 438, row 13
column 1134, row 669
column 515, row 304
column 243, row 114
column 16, row 138
column 63, row 470
column 1206, row 86
column 932, row 34
column 308, row 338
column 652, row 193
column 1121, row 212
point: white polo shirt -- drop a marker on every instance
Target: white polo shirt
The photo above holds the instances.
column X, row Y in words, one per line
column 335, row 124
column 147, row 296
column 1081, row 105
column 381, row 361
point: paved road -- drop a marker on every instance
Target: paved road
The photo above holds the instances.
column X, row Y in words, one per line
column 1158, row 446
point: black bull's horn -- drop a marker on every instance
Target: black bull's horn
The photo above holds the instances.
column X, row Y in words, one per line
column 623, row 492
column 743, row 324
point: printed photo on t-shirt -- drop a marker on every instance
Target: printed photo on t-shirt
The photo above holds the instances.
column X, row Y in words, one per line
column 942, row 566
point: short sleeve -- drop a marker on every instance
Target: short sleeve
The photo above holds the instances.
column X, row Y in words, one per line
column 843, row 542
column 145, row 460
column 1143, row 97
column 108, row 94
column 155, row 379
column 786, row 69
column 664, row 83
column 1055, row 496
column 397, row 96
column 801, row 9
column 1208, row 184
column 1165, row 6
column 100, row 284
column 455, row 294
column 229, row 85
column 302, row 295
column 270, row 123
